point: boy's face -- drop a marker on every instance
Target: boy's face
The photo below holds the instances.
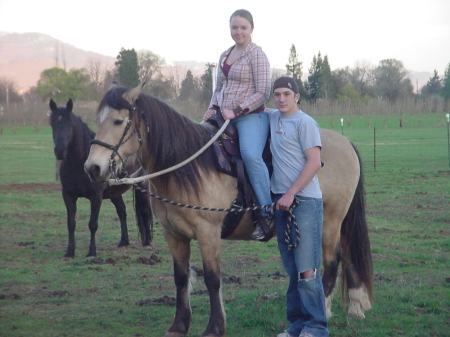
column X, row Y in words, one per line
column 286, row 100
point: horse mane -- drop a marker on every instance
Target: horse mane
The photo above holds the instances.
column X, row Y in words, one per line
column 171, row 138
column 87, row 134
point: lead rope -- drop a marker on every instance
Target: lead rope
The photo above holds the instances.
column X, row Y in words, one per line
column 292, row 222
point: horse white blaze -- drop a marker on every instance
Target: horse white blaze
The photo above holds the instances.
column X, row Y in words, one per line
column 103, row 114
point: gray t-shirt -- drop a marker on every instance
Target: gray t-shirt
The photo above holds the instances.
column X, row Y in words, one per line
column 291, row 135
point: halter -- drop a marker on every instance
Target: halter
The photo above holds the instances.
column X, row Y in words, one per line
column 123, row 140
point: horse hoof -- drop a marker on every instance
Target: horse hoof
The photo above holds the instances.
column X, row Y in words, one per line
column 174, row 334
column 148, row 247
column 67, row 258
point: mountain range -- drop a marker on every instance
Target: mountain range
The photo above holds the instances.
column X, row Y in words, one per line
column 24, row 56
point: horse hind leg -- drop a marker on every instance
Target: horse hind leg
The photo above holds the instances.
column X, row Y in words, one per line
column 357, row 257
column 331, row 252
column 329, row 279
column 121, row 210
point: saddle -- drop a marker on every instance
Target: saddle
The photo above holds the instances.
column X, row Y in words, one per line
column 229, row 161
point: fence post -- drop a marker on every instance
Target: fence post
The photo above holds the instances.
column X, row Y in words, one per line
column 374, row 149
column 448, row 137
column 342, row 126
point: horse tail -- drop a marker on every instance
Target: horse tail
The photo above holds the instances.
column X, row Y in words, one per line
column 143, row 212
column 356, row 253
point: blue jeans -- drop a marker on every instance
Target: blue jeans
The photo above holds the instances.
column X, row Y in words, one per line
column 253, row 130
column 305, row 297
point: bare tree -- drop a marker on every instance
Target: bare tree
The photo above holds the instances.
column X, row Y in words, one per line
column 150, row 65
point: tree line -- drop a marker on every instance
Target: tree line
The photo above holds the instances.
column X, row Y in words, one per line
column 387, row 81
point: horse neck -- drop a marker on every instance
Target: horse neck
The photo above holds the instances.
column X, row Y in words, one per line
column 80, row 143
column 169, row 139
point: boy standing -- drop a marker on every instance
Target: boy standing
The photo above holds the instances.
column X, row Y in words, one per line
column 295, row 146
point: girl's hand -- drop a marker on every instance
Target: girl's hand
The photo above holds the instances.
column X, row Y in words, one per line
column 208, row 114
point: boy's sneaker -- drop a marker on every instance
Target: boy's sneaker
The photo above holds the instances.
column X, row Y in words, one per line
column 285, row 334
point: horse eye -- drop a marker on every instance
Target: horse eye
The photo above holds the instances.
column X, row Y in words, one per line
column 118, row 122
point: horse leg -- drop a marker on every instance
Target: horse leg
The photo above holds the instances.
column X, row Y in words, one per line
column 210, row 251
column 331, row 257
column 96, row 203
column 144, row 216
column 71, row 210
column 356, row 256
column 181, row 251
column 122, row 213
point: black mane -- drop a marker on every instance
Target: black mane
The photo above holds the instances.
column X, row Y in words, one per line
column 171, row 138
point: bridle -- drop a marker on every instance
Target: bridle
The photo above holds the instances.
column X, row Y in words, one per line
column 123, row 140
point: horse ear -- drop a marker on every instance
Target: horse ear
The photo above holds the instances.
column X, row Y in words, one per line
column 133, row 94
column 114, row 84
column 69, row 105
column 52, row 105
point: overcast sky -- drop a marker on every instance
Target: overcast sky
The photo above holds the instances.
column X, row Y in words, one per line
column 416, row 32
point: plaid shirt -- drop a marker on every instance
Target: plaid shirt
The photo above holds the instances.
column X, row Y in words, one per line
column 247, row 86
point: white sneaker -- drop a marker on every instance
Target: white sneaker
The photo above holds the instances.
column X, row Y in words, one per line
column 305, row 334
column 285, row 334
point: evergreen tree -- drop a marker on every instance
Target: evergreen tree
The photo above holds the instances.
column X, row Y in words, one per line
column 445, row 92
column 327, row 86
column 314, row 79
column 127, row 68
column 206, row 83
column 294, row 69
column 188, row 88
column 434, row 85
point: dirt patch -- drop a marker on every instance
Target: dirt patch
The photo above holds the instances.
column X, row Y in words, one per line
column 31, row 187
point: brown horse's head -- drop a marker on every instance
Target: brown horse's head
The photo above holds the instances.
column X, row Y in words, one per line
column 118, row 135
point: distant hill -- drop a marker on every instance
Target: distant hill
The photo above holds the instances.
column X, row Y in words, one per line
column 24, row 56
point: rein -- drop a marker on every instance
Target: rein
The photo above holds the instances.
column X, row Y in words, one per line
column 133, row 181
column 173, row 168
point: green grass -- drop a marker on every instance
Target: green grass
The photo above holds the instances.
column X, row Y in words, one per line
column 408, row 196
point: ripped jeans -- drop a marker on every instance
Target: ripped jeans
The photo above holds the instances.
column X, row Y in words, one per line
column 305, row 297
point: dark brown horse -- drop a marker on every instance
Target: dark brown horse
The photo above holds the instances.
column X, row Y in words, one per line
column 72, row 139
column 131, row 123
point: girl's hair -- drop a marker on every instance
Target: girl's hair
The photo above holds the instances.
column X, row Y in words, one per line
column 243, row 13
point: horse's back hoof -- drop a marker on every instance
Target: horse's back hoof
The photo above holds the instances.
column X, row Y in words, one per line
column 148, row 247
column 174, row 334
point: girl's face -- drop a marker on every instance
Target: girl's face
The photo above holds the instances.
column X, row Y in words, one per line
column 241, row 30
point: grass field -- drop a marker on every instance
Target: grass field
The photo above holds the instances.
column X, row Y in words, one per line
column 129, row 292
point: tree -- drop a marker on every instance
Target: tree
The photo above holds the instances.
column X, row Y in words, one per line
column 8, row 92
column 60, row 85
column 314, row 77
column 150, row 65
column 390, row 80
column 188, row 87
column 97, row 73
column 433, row 86
column 349, row 94
column 206, row 83
column 294, row 69
column 127, row 68
column 446, row 84
column 327, row 86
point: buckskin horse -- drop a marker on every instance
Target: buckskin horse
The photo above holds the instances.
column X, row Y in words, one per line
column 72, row 139
column 131, row 123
